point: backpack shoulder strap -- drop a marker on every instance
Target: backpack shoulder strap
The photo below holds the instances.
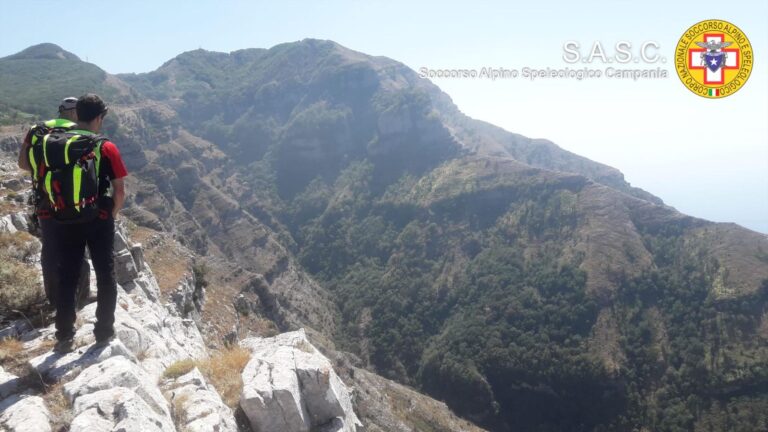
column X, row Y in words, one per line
column 42, row 128
column 59, row 123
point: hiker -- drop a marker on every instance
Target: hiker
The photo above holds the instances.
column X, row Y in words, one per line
column 41, row 218
column 84, row 185
column 67, row 118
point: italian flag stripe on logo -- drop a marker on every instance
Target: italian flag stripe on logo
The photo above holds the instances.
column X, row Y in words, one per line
column 714, row 92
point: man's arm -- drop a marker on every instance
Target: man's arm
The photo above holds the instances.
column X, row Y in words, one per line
column 116, row 173
column 24, row 154
column 118, row 196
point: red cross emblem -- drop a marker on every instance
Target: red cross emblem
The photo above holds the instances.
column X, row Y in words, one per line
column 696, row 60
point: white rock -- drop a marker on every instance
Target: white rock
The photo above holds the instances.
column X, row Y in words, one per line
column 55, row 366
column 9, row 384
column 125, row 267
column 117, row 409
column 325, row 396
column 288, row 376
column 22, row 413
column 116, row 372
column 138, row 256
column 143, row 329
column 20, row 221
column 6, row 225
column 114, row 388
column 198, row 406
column 188, row 299
column 120, row 242
column 271, row 396
column 15, row 329
column 147, row 283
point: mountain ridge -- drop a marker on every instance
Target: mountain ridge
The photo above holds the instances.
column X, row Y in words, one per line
column 358, row 201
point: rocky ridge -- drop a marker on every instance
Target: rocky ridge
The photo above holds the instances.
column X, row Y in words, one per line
column 122, row 385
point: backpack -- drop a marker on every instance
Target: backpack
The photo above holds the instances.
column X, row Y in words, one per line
column 65, row 165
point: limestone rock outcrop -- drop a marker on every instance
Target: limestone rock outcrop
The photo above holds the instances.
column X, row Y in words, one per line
column 119, row 386
column 197, row 406
column 289, row 376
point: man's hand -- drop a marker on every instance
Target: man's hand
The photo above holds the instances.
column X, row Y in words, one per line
column 24, row 155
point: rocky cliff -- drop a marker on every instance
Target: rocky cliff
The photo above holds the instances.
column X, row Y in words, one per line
column 125, row 385
column 149, row 377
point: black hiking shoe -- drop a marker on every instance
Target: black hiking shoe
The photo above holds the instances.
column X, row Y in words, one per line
column 64, row 346
column 103, row 341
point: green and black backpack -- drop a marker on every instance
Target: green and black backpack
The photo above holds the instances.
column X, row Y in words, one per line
column 65, row 165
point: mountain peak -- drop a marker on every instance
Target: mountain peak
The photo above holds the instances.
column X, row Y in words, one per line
column 43, row 51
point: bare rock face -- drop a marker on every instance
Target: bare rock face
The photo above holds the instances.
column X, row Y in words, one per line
column 117, row 391
column 114, row 387
column 20, row 412
column 287, row 375
column 118, row 409
column 7, row 225
column 24, row 413
column 189, row 297
column 126, row 268
column 197, row 406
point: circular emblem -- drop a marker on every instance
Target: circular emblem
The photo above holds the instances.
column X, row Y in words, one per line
column 713, row 58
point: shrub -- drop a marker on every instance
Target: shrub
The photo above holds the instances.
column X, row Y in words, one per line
column 179, row 368
column 20, row 289
column 20, row 246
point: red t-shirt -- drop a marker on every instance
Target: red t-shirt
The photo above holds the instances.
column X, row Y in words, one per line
column 115, row 168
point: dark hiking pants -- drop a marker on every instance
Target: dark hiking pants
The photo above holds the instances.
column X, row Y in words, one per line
column 70, row 241
column 49, row 261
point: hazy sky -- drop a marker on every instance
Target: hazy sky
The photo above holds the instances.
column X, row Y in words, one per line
column 707, row 158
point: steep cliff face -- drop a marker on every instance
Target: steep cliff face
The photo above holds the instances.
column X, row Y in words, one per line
column 141, row 381
column 156, row 374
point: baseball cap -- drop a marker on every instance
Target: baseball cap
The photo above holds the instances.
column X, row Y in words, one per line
column 68, row 103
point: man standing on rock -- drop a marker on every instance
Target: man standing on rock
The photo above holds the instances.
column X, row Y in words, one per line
column 97, row 233
column 48, row 256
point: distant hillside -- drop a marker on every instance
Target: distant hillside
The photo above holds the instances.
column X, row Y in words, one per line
column 528, row 287
column 36, row 79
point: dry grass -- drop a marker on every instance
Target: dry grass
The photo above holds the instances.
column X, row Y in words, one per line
column 222, row 370
column 58, row 406
column 168, row 262
column 179, row 413
column 264, row 327
column 8, row 206
column 139, row 234
column 10, row 348
column 20, row 288
column 19, row 245
column 15, row 357
column 179, row 368
column 424, row 414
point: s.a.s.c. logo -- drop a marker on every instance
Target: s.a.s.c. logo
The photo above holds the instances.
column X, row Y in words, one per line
column 713, row 58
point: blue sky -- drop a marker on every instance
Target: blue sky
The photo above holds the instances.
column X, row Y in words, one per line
column 707, row 158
